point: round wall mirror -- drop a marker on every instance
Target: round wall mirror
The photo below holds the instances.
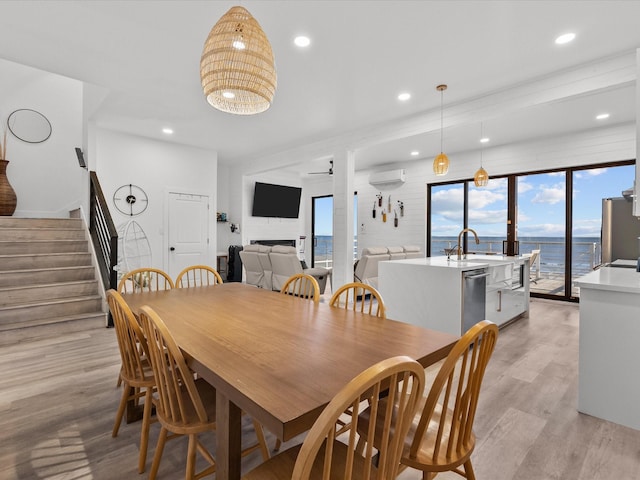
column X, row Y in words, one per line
column 29, row 126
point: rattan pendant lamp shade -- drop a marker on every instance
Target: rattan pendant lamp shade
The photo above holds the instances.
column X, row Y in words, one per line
column 237, row 68
column 441, row 162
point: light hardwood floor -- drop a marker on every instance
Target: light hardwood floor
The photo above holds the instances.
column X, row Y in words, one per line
column 58, row 400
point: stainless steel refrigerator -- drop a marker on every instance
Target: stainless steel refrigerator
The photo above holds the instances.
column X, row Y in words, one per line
column 620, row 230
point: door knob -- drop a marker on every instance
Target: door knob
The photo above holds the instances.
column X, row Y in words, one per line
column 172, row 248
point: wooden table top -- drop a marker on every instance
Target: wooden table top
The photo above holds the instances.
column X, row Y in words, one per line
column 281, row 358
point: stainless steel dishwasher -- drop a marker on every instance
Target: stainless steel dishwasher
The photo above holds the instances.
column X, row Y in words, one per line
column 474, row 297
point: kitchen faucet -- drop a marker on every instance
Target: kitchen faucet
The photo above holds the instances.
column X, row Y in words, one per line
column 460, row 241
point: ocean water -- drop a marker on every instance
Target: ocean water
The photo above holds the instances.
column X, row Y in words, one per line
column 586, row 251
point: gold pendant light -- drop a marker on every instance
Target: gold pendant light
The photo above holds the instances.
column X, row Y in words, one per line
column 481, row 178
column 441, row 162
column 237, row 68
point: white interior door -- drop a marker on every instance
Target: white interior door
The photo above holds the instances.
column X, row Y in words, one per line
column 188, row 231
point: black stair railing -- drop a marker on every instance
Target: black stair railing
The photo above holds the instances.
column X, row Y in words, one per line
column 104, row 235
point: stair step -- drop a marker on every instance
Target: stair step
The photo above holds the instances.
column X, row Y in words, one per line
column 30, row 330
column 19, row 247
column 15, row 222
column 41, row 276
column 51, row 233
column 41, row 311
column 44, row 260
column 27, row 294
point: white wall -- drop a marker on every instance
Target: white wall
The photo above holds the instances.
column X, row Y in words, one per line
column 265, row 228
column 45, row 176
column 158, row 168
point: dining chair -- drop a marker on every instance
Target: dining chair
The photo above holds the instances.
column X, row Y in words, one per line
column 198, row 276
column 302, row 285
column 533, row 260
column 361, row 297
column 136, row 372
column 322, row 455
column 145, row 280
column 441, row 436
column 185, row 405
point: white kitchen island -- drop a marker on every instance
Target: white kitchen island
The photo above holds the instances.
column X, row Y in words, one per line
column 430, row 292
column 608, row 383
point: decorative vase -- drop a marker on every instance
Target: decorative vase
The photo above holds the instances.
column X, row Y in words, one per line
column 7, row 193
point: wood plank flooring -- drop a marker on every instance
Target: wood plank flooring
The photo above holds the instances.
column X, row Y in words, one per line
column 58, row 401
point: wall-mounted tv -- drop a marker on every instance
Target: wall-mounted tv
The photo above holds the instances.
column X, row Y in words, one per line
column 280, row 201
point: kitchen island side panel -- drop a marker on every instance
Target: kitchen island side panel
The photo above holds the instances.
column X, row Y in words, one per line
column 428, row 297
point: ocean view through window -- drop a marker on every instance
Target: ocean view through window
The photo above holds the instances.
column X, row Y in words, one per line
column 544, row 200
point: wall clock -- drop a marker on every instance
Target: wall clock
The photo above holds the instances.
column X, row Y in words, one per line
column 130, row 200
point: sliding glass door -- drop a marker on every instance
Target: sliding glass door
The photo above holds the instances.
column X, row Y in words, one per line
column 322, row 230
column 557, row 216
column 541, row 226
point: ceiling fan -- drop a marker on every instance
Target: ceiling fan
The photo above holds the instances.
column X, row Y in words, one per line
column 326, row 172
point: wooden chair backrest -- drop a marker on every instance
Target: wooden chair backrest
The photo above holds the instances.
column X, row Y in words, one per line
column 131, row 340
column 405, row 381
column 145, row 280
column 361, row 297
column 455, row 390
column 198, row 276
column 302, row 285
column 177, row 393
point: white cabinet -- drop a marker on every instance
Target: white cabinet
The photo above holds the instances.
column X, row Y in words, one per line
column 504, row 303
column 507, row 293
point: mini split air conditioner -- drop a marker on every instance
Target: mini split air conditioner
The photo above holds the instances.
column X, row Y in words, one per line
column 389, row 177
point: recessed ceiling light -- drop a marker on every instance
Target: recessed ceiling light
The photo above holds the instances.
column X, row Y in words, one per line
column 167, row 131
column 403, row 97
column 415, row 153
column 602, row 116
column 302, row 41
column 484, row 140
column 565, row 38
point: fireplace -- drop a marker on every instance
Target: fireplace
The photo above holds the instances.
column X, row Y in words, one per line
column 271, row 243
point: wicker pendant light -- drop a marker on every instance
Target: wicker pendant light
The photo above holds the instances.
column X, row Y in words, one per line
column 441, row 162
column 481, row 178
column 237, row 68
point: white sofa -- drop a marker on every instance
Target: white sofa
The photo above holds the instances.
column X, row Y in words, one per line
column 256, row 262
column 366, row 269
column 285, row 262
column 270, row 267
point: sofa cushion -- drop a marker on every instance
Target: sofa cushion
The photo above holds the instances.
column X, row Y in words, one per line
column 283, row 249
column 374, row 251
column 395, row 249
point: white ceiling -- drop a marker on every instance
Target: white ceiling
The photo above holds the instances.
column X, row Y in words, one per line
column 363, row 54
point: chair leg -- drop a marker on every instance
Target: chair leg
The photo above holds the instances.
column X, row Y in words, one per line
column 261, row 440
column 144, row 434
column 121, row 408
column 162, row 439
column 191, row 457
column 468, row 469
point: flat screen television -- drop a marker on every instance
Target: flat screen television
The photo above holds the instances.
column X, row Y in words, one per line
column 280, row 201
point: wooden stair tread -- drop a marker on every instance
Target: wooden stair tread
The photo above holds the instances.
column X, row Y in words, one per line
column 56, row 301
column 100, row 316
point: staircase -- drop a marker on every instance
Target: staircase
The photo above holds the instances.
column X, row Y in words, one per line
column 46, row 276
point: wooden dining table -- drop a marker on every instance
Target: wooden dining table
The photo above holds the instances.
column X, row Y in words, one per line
column 279, row 358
